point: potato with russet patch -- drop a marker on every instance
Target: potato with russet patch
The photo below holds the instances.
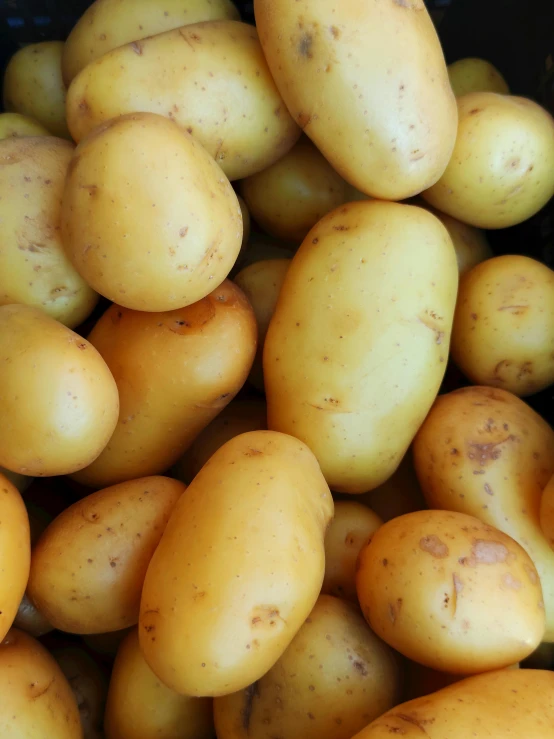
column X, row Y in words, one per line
column 13, row 125
column 476, row 75
column 89, row 685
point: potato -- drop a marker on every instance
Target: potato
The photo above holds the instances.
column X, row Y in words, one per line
column 21, row 482
column 148, row 218
column 175, row 372
column 141, row 707
column 503, row 333
column 450, row 592
column 58, row 399
column 245, row 226
column 476, row 75
column 216, row 85
column 34, row 268
column 89, row 686
column 300, row 697
column 349, row 531
column 15, row 124
column 502, row 170
column 484, row 452
column 107, row 24
column 225, row 594
column 420, row 680
column 547, row 511
column 33, row 85
column 30, row 619
column 357, row 347
column 88, row 567
column 516, row 702
column 368, row 85
column 400, row 494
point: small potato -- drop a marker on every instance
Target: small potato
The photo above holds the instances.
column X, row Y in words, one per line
column 476, row 75
column 15, row 124
column 502, row 170
column 503, row 333
column 547, row 511
column 139, row 706
column 89, row 686
column 333, row 679
column 31, row 620
column 450, row 592
column 33, row 85
column 88, row 567
column 350, row 530
column 400, row 494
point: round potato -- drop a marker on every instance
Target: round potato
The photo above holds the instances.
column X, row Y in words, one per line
column 15, row 124
column 547, row 511
column 89, row 686
column 333, row 679
column 400, row 494
column 139, row 706
column 34, row 268
column 450, row 592
column 476, row 75
column 88, row 567
column 502, row 170
column 503, row 333
column 33, row 85
column 58, row 400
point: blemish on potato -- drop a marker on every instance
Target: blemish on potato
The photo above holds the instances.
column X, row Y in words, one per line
column 433, row 546
column 511, row 582
column 394, row 610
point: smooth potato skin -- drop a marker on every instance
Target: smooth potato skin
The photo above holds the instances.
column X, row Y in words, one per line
column 15, row 552
column 484, row 452
column 253, row 572
column 357, row 347
column 476, row 75
column 15, row 124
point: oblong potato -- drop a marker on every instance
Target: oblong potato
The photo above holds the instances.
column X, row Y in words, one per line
column 357, row 347
column 225, row 594
column 89, row 686
column 15, row 124
column 476, row 75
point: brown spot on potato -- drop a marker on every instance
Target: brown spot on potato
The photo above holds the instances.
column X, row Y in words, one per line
column 487, row 452
column 474, row 111
column 251, row 692
column 252, row 452
column 488, row 489
column 487, row 552
column 341, row 228
column 434, row 546
column 360, row 667
column 137, row 48
column 458, row 583
column 410, row 718
column 531, row 574
column 511, row 582
column 303, row 119
column 334, row 31
column 305, row 46
column 394, row 610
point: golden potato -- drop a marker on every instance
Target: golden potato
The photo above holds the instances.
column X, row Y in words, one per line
column 148, row 218
column 88, row 567
column 34, row 268
column 30, row 619
column 476, row 75
column 225, row 594
column 503, row 333
column 15, row 124
column 450, row 592
column 484, row 452
column 139, row 706
column 502, row 170
column 216, row 86
column 334, row 678
column 400, row 494
column 547, row 511
column 89, row 686
column 58, row 399
column 33, row 85
column 357, row 347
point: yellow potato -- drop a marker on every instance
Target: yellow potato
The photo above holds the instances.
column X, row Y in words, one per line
column 350, row 530
column 107, row 24
column 33, row 85
column 484, row 452
column 503, row 333
column 400, row 494
column 502, row 170
column 58, row 399
column 450, row 592
column 139, row 706
column 15, row 124
column 261, row 282
column 334, row 678
column 357, row 347
column 225, row 594
column 368, row 84
column 216, row 85
column 34, row 268
column 30, row 619
column 547, row 511
column 89, row 686
column 175, row 372
column 476, row 75
column 148, row 218
column 88, row 567
column 37, row 701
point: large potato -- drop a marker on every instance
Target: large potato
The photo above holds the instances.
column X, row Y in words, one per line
column 34, row 268
column 450, row 592
column 216, row 85
column 502, row 169
column 239, row 567
column 476, row 75
column 175, row 372
column 334, row 678
column 503, row 333
column 368, row 84
column 58, row 399
column 357, row 347
column 148, row 218
column 15, row 124
column 89, row 685
column 400, row 494
column 484, row 452
column 107, row 24
column 139, row 706
column 88, row 567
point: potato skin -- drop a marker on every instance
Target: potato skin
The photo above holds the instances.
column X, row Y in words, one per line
column 224, row 624
column 450, row 592
column 371, row 289
column 30, row 619
column 484, row 452
column 476, row 75
column 88, row 567
column 333, row 678
column 15, row 124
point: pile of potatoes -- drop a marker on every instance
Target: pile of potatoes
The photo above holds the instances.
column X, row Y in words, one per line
column 240, row 496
